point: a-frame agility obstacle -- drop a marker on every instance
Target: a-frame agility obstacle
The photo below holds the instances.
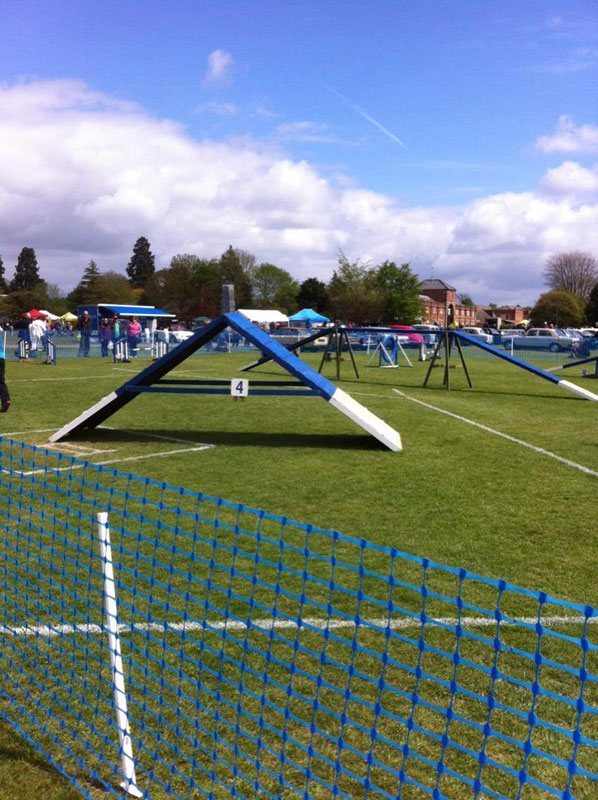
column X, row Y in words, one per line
column 308, row 383
column 453, row 338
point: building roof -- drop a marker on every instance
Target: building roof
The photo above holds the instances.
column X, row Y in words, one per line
column 436, row 283
column 263, row 316
column 136, row 311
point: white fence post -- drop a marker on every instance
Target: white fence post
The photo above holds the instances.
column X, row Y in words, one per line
column 116, row 663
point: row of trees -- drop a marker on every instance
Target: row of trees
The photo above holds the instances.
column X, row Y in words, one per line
column 191, row 286
column 357, row 292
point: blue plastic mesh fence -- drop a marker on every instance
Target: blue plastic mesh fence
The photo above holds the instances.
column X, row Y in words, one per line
column 264, row 658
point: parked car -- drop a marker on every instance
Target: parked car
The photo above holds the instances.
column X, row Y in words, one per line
column 573, row 333
column 412, row 335
column 553, row 339
column 429, row 332
column 477, row 333
column 511, row 332
column 288, row 335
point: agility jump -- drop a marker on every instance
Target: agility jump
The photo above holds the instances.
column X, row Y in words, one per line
column 451, row 337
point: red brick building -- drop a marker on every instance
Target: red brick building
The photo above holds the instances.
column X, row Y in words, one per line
column 436, row 295
column 510, row 315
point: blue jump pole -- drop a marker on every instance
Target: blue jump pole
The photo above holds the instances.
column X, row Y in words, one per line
column 540, row 373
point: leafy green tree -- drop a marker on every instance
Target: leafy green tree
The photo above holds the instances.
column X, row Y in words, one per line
column 558, row 307
column 113, row 287
column 235, row 267
column 3, row 284
column 398, row 289
column 592, row 307
column 173, row 288
column 142, row 265
column 313, row 294
column 353, row 295
column 57, row 302
column 465, row 300
column 273, row 287
column 26, row 275
column 208, row 286
column 16, row 303
column 188, row 288
column 87, row 291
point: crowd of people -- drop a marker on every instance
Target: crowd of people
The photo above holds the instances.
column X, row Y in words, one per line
column 35, row 332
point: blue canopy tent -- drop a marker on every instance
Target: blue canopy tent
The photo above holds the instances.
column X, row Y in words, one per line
column 143, row 313
column 309, row 316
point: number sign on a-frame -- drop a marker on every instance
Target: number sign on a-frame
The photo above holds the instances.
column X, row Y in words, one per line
column 308, row 383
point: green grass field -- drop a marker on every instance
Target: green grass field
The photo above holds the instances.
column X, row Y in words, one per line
column 520, row 506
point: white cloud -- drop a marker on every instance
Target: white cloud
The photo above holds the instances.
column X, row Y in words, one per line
column 220, row 64
column 83, row 176
column 573, row 180
column 570, row 138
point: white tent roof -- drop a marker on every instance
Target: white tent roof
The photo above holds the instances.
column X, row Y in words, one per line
column 48, row 314
column 263, row 316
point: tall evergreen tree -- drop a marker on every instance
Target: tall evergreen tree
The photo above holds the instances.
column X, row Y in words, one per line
column 142, row 265
column 26, row 275
column 3, row 284
column 232, row 271
column 87, row 291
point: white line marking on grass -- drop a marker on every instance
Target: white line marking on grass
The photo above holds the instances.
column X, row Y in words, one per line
column 157, row 455
column 79, row 450
column 33, row 430
column 61, row 379
column 318, row 624
column 149, row 456
column 154, row 436
column 506, row 436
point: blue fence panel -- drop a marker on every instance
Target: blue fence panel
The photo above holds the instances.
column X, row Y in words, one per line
column 264, row 658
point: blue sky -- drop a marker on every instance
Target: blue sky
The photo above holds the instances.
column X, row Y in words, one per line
column 459, row 136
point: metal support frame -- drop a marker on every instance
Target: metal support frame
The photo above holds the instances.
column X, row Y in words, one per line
column 448, row 339
column 339, row 334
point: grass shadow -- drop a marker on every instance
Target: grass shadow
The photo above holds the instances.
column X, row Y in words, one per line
column 234, row 438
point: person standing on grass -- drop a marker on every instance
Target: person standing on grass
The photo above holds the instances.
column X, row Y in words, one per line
column 4, row 395
column 22, row 328
column 133, row 335
column 105, row 336
column 118, row 337
column 84, row 325
column 37, row 330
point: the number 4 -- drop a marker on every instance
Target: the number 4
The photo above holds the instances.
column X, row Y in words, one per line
column 239, row 388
